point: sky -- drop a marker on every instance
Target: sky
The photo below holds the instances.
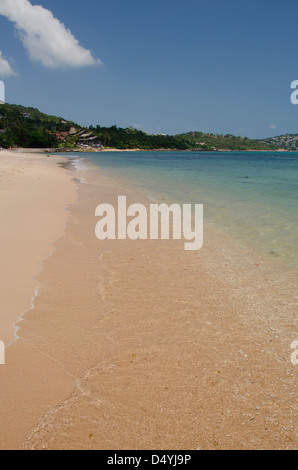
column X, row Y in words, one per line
column 164, row 66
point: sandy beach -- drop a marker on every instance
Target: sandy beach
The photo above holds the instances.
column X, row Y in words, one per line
column 134, row 345
column 34, row 193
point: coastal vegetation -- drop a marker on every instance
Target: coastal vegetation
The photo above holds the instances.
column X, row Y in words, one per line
column 209, row 142
column 29, row 128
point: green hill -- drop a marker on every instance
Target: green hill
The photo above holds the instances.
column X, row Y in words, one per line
column 207, row 142
column 115, row 137
column 29, row 128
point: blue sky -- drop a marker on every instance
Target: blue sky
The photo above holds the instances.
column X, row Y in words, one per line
column 169, row 66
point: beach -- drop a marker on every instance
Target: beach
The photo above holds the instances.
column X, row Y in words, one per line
column 134, row 344
column 34, row 194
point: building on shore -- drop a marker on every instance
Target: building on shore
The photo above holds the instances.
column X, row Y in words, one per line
column 88, row 139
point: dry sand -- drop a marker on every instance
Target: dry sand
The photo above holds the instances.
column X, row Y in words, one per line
column 34, row 193
column 141, row 345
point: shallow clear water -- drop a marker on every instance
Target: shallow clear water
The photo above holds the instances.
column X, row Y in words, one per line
column 253, row 196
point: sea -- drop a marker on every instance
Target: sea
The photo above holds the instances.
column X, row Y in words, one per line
column 252, row 196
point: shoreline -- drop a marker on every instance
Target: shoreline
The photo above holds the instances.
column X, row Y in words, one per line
column 88, row 150
column 34, row 196
column 137, row 345
column 38, row 191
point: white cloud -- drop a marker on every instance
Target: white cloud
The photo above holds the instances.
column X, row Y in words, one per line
column 5, row 67
column 45, row 38
column 273, row 126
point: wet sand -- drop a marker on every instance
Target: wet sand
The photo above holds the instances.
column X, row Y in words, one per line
column 141, row 345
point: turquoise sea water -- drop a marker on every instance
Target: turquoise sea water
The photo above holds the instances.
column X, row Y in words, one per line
column 253, row 196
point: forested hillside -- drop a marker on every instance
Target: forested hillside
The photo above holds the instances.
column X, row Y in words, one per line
column 29, row 128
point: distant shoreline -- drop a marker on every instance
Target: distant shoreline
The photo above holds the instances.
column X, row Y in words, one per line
column 55, row 133
column 90, row 150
